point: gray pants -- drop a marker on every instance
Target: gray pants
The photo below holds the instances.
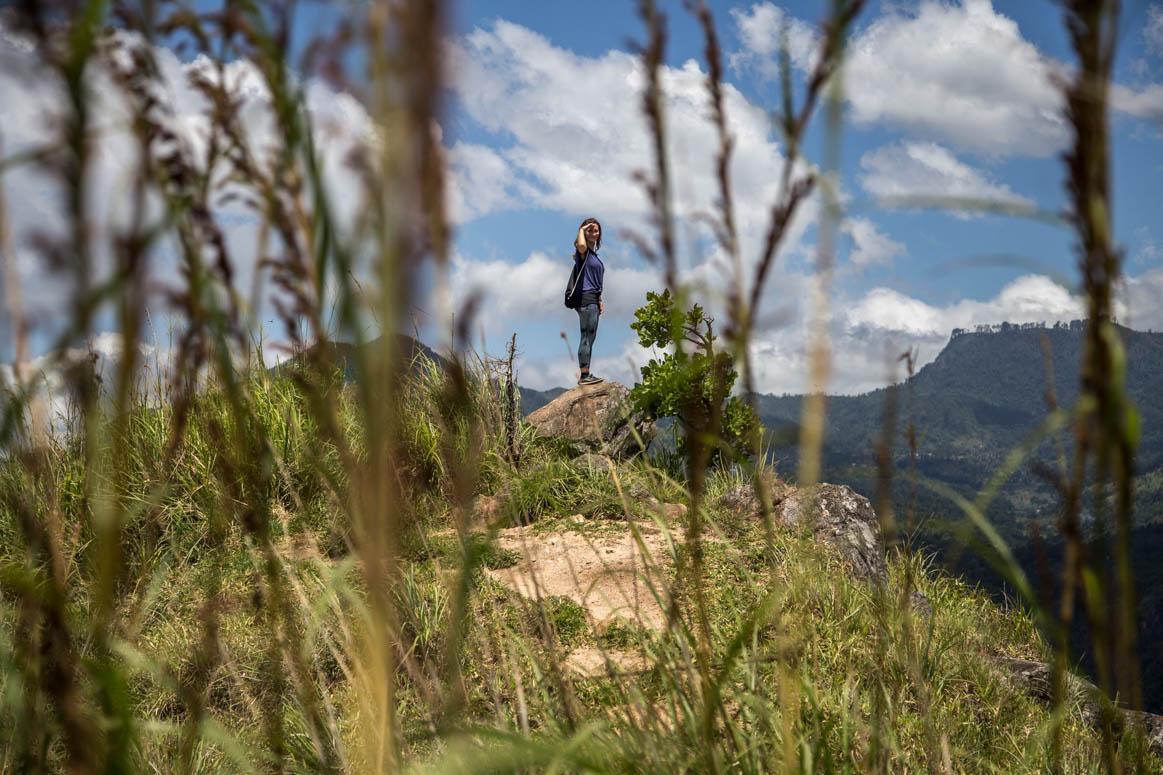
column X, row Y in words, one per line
column 588, row 315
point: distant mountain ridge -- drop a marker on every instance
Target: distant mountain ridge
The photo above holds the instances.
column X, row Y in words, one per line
column 342, row 354
column 982, row 396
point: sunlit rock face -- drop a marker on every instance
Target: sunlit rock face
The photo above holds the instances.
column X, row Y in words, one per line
column 596, row 418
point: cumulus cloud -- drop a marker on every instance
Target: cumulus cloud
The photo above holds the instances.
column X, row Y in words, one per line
column 32, row 105
column 480, row 181
column 962, row 73
column 870, row 246
column 1144, row 102
column 510, row 293
column 47, row 382
column 1027, row 299
column 860, row 359
column 921, row 170
column 876, row 327
column 761, row 29
column 622, row 366
column 568, row 128
column 1138, row 300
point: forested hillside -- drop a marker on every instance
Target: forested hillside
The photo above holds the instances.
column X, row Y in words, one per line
column 983, row 396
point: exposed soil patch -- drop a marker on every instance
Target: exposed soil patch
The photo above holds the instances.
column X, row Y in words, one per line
column 610, row 576
column 589, row 662
column 299, row 547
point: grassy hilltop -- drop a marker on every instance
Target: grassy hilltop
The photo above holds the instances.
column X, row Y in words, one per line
column 252, row 571
column 246, row 630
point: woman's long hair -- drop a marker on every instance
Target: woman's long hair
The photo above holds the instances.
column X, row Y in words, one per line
column 587, row 222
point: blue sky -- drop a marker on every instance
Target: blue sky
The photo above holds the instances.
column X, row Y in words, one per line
column 543, row 128
column 944, row 98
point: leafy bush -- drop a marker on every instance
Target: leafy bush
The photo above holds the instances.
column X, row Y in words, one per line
column 691, row 386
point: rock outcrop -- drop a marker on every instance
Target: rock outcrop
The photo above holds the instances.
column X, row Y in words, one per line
column 838, row 516
column 620, row 576
column 842, row 519
column 1036, row 679
column 596, row 418
column 743, row 500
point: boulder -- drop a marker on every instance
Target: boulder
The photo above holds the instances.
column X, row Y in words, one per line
column 742, row 499
column 596, row 419
column 594, row 462
column 921, row 607
column 842, row 519
column 1036, row 679
column 638, row 491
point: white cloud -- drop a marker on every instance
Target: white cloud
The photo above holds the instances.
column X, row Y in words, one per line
column 31, row 104
column 1138, row 300
column 621, row 366
column 1143, row 102
column 959, row 72
column 921, row 170
column 760, row 29
column 1027, row 299
column 870, row 246
column 890, row 310
column 860, row 360
column 879, row 325
column 50, row 380
column 479, row 182
column 570, row 129
column 511, row 294
column 1153, row 29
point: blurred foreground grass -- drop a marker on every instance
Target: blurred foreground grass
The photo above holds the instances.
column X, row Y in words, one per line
column 231, row 648
column 240, row 570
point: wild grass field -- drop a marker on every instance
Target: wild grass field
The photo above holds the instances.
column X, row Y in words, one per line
column 249, row 641
column 228, row 568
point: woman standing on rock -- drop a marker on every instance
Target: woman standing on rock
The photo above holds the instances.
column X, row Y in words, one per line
column 589, row 239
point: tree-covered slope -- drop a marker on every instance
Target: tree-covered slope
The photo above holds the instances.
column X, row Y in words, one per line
column 532, row 400
column 982, row 396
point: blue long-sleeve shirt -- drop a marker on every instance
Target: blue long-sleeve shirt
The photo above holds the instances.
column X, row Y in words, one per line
column 593, row 275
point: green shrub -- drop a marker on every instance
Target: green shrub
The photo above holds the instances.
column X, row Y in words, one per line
column 693, row 387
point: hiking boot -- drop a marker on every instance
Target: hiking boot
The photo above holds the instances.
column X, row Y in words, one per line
column 589, row 379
